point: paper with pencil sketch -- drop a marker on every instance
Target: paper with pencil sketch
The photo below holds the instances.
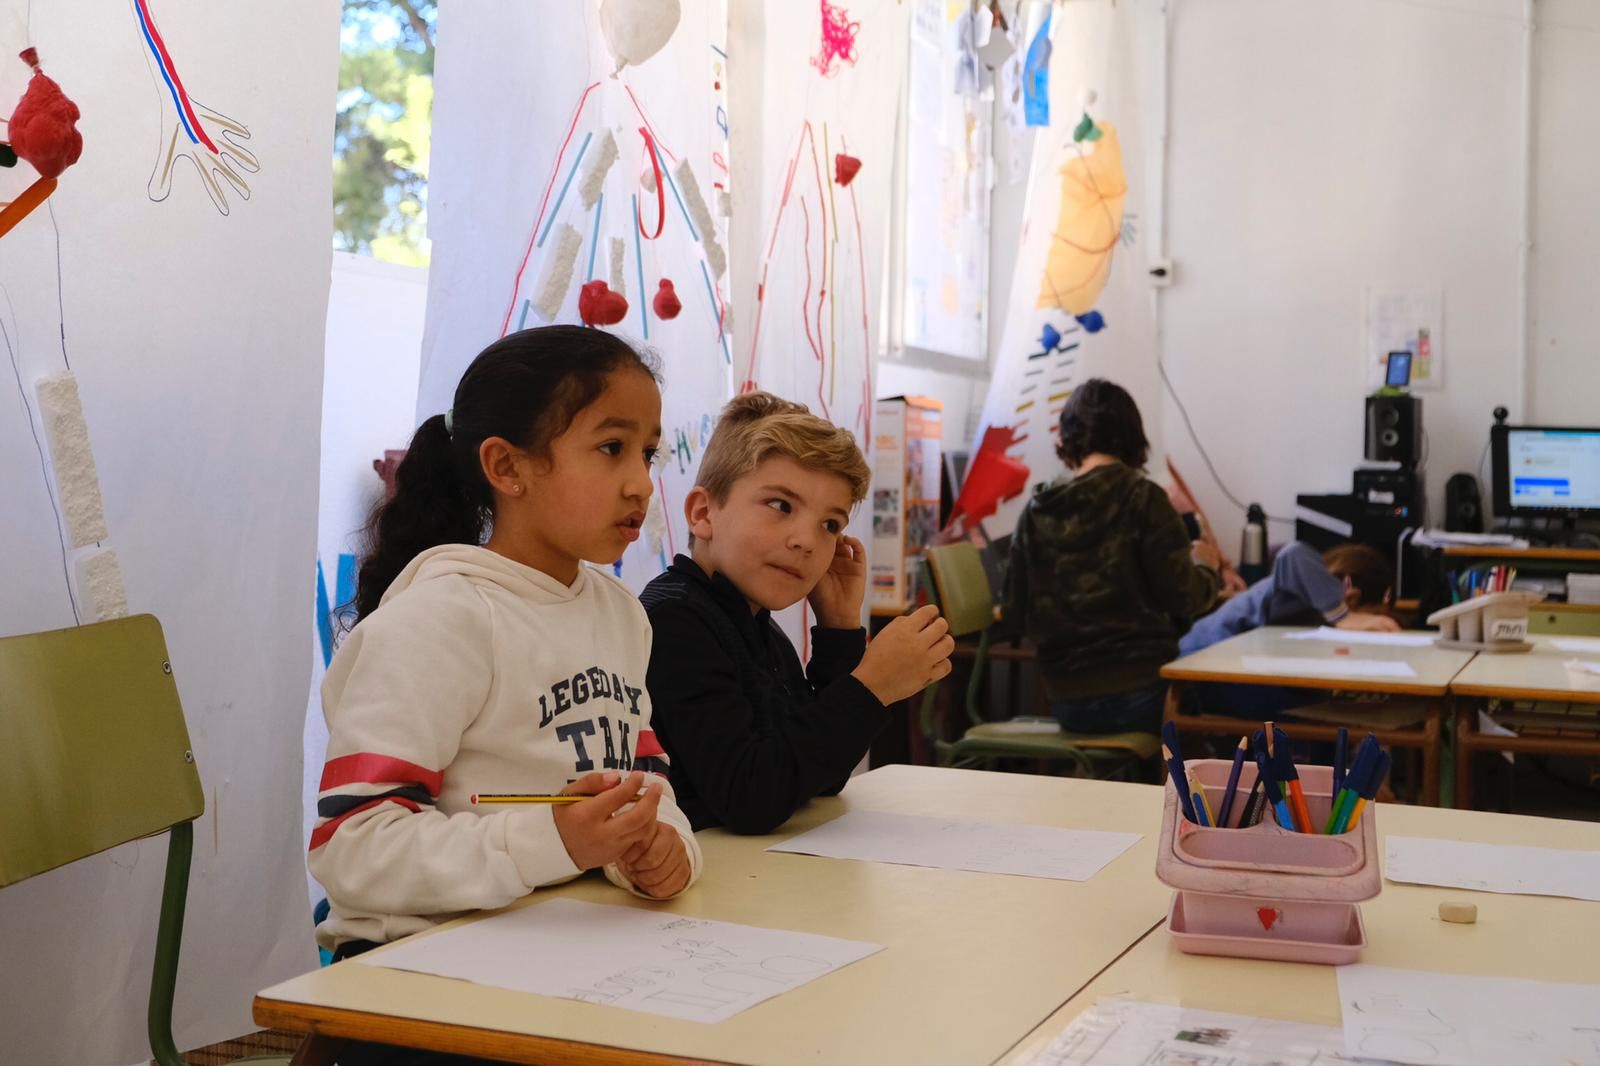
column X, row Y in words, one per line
column 1286, row 664
column 1361, row 636
column 1117, row 1032
column 643, row 960
column 956, row 844
column 1499, row 868
column 1441, row 1019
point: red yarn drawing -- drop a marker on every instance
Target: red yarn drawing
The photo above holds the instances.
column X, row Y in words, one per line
column 838, row 40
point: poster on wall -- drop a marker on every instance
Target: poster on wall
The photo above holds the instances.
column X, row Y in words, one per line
column 1405, row 320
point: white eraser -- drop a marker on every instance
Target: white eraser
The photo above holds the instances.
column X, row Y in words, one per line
column 1459, row 913
column 77, row 483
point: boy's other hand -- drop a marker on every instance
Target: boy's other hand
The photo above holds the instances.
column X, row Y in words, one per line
column 1206, row 555
column 598, row 830
column 911, row 653
column 1369, row 623
column 838, row 596
column 658, row 865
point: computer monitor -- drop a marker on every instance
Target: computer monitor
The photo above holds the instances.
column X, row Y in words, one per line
column 1546, row 471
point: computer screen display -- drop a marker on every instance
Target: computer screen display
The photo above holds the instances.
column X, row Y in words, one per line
column 1546, row 469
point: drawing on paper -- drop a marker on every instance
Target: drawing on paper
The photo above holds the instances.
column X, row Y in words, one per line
column 213, row 143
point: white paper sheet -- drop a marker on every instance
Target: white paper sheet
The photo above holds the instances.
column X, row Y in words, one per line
column 1493, row 868
column 1357, row 636
column 1450, row 1020
column 954, row 844
column 1583, row 667
column 643, row 960
column 1117, row 1031
column 1576, row 643
column 1285, row 664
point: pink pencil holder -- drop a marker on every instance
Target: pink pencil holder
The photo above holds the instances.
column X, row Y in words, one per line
column 1266, row 892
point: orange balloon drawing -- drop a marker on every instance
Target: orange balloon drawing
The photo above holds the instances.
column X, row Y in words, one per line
column 1088, row 226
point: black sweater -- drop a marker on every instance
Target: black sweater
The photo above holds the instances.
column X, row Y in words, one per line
column 750, row 735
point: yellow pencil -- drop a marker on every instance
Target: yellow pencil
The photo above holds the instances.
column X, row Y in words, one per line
column 1355, row 812
column 517, row 797
column 1200, row 794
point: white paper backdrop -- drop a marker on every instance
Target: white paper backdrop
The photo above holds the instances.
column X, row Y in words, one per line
column 196, row 337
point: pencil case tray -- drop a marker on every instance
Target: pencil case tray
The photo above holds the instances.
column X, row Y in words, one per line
column 1280, row 930
column 1267, row 861
column 1266, row 892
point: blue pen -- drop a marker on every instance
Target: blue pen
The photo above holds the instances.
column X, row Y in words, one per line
column 1233, row 784
column 1344, row 803
column 1273, row 793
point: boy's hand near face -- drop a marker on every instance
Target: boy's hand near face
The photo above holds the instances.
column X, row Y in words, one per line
column 911, row 653
column 838, row 596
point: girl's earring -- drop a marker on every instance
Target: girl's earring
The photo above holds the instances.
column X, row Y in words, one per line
column 517, row 490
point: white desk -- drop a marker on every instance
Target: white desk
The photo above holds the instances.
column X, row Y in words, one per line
column 1435, row 669
column 1533, row 937
column 1538, row 676
column 971, row 963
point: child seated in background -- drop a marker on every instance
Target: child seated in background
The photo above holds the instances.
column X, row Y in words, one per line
column 1103, row 575
column 1348, row 587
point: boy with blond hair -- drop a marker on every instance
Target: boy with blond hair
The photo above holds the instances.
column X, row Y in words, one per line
column 752, row 736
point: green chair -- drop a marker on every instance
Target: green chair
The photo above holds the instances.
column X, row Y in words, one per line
column 965, row 597
column 94, row 753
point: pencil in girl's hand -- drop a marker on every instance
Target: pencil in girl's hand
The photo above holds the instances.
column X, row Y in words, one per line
column 522, row 797
column 1233, row 783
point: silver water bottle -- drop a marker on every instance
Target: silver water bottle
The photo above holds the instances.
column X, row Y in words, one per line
column 1253, row 545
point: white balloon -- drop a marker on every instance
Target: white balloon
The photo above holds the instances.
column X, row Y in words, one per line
column 637, row 29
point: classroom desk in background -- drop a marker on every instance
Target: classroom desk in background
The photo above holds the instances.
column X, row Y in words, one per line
column 1435, row 668
column 970, row 964
column 1538, row 676
column 1535, row 937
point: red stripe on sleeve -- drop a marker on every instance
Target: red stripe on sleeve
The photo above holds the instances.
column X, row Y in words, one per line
column 365, row 768
column 648, row 745
column 324, row 832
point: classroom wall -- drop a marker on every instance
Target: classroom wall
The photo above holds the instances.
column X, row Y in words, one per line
column 192, row 317
column 1564, row 350
column 1317, row 148
column 369, row 399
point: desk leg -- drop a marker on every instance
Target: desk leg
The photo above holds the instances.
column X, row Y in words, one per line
column 1466, row 714
column 318, row 1051
column 1432, row 741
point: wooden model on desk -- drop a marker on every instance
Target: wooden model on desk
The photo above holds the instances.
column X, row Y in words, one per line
column 1494, row 622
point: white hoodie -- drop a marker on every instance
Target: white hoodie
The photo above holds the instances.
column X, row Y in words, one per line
column 477, row 674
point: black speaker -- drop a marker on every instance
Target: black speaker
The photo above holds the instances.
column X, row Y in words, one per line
column 1394, row 429
column 1463, row 505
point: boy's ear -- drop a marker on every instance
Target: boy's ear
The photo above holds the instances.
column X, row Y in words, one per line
column 697, row 512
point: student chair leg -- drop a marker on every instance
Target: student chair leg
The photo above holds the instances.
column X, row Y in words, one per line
column 169, row 939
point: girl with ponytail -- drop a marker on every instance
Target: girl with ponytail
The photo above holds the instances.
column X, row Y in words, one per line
column 488, row 657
